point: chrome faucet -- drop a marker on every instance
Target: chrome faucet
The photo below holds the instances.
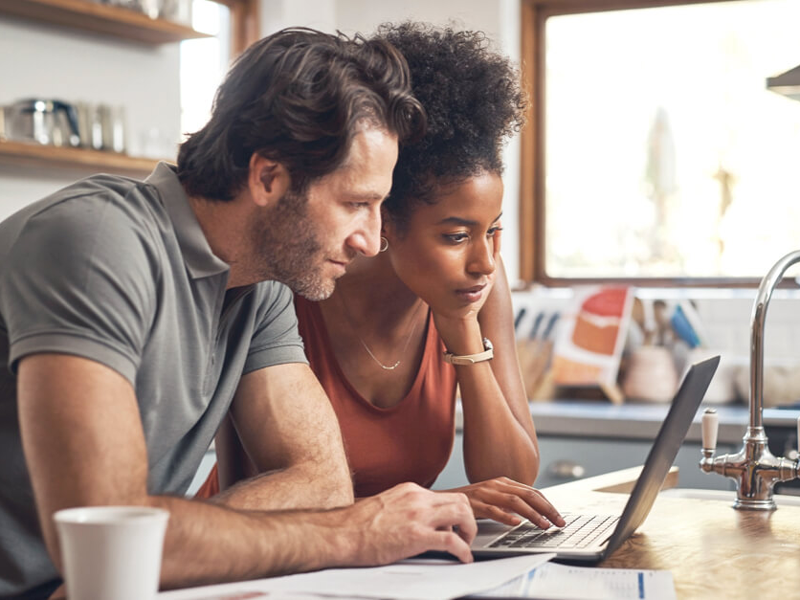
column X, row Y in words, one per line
column 754, row 468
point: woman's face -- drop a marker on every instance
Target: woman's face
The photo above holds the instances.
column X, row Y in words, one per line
column 446, row 252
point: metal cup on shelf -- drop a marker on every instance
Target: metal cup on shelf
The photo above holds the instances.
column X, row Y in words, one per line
column 112, row 119
column 102, row 126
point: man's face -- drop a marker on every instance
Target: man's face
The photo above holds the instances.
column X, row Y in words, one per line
column 306, row 241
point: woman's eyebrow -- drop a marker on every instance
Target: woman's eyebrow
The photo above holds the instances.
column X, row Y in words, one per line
column 463, row 221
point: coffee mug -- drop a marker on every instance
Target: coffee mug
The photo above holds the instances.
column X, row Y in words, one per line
column 111, row 551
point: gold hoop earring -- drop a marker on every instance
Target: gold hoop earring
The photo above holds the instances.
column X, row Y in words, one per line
column 384, row 244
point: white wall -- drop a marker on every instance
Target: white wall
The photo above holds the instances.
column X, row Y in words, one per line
column 499, row 19
column 53, row 62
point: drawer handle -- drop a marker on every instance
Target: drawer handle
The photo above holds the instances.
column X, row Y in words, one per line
column 566, row 469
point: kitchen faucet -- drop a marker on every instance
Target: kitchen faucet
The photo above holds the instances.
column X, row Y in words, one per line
column 754, row 468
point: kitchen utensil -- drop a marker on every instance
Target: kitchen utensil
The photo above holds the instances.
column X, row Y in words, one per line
column 179, row 11
column 683, row 328
column 519, row 317
column 650, row 375
column 152, row 8
column 43, row 121
column 535, row 354
column 112, row 121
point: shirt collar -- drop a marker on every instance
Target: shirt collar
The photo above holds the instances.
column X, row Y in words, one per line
column 197, row 254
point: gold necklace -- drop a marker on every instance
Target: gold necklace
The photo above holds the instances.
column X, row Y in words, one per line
column 363, row 343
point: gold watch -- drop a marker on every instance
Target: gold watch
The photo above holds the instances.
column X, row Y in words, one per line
column 471, row 359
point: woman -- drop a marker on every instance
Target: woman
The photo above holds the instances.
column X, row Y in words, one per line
column 432, row 311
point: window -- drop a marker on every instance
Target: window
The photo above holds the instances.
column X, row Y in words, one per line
column 655, row 150
column 204, row 62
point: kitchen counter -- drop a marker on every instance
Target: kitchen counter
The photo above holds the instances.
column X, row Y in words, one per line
column 599, row 419
column 580, row 438
column 712, row 550
column 642, row 421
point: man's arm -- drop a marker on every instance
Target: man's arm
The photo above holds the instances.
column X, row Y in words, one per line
column 84, row 446
column 290, row 434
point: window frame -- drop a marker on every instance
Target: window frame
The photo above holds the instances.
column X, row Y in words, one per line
column 244, row 24
column 532, row 194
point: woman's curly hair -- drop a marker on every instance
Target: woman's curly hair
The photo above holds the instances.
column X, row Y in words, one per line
column 473, row 100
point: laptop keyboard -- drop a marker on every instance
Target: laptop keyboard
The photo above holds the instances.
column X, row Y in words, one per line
column 581, row 531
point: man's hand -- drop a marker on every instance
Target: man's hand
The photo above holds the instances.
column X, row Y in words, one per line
column 408, row 520
column 502, row 499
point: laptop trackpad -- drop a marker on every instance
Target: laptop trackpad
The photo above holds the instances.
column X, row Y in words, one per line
column 488, row 531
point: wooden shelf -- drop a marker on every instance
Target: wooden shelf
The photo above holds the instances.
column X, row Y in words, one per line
column 105, row 19
column 31, row 155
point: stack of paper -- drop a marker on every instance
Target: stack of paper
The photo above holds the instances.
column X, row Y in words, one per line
column 519, row 577
column 406, row 580
column 560, row 582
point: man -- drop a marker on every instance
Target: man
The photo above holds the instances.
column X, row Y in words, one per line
column 133, row 315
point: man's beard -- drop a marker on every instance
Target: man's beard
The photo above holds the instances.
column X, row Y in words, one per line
column 289, row 250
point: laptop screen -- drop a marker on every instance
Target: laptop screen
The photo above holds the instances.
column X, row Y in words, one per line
column 664, row 450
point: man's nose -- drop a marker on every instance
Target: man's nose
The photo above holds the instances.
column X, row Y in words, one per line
column 366, row 238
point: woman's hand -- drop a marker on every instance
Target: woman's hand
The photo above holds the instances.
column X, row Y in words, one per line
column 502, row 499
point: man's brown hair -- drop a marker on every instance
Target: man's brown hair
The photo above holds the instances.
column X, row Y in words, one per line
column 298, row 97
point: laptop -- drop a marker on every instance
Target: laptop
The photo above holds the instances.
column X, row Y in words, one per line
column 590, row 538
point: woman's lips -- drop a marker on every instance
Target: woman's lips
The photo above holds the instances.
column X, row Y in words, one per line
column 472, row 294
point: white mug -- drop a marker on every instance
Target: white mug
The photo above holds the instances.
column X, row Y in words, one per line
column 111, row 552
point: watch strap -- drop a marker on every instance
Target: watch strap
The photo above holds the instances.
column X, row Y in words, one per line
column 470, row 359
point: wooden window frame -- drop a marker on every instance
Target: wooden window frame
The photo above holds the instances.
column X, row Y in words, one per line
column 244, row 24
column 532, row 145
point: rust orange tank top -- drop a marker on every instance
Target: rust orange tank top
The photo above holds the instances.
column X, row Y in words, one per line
column 410, row 441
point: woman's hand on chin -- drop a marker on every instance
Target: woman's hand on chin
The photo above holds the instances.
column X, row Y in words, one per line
column 454, row 315
column 505, row 500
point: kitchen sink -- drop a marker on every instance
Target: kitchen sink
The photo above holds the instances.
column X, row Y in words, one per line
column 723, row 495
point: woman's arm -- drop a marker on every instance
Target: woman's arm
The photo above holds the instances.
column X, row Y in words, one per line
column 499, row 434
column 501, row 454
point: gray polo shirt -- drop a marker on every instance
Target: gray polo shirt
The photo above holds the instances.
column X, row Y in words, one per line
column 118, row 271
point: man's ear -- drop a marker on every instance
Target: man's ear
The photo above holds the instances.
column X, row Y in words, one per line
column 268, row 180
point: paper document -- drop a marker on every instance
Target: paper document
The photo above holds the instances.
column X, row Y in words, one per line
column 562, row 582
column 413, row 579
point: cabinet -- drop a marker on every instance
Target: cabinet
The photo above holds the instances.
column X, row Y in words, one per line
column 106, row 20
column 565, row 459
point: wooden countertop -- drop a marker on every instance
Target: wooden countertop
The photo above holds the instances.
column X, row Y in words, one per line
column 712, row 550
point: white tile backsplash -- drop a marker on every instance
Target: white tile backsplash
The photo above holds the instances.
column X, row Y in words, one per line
column 725, row 315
